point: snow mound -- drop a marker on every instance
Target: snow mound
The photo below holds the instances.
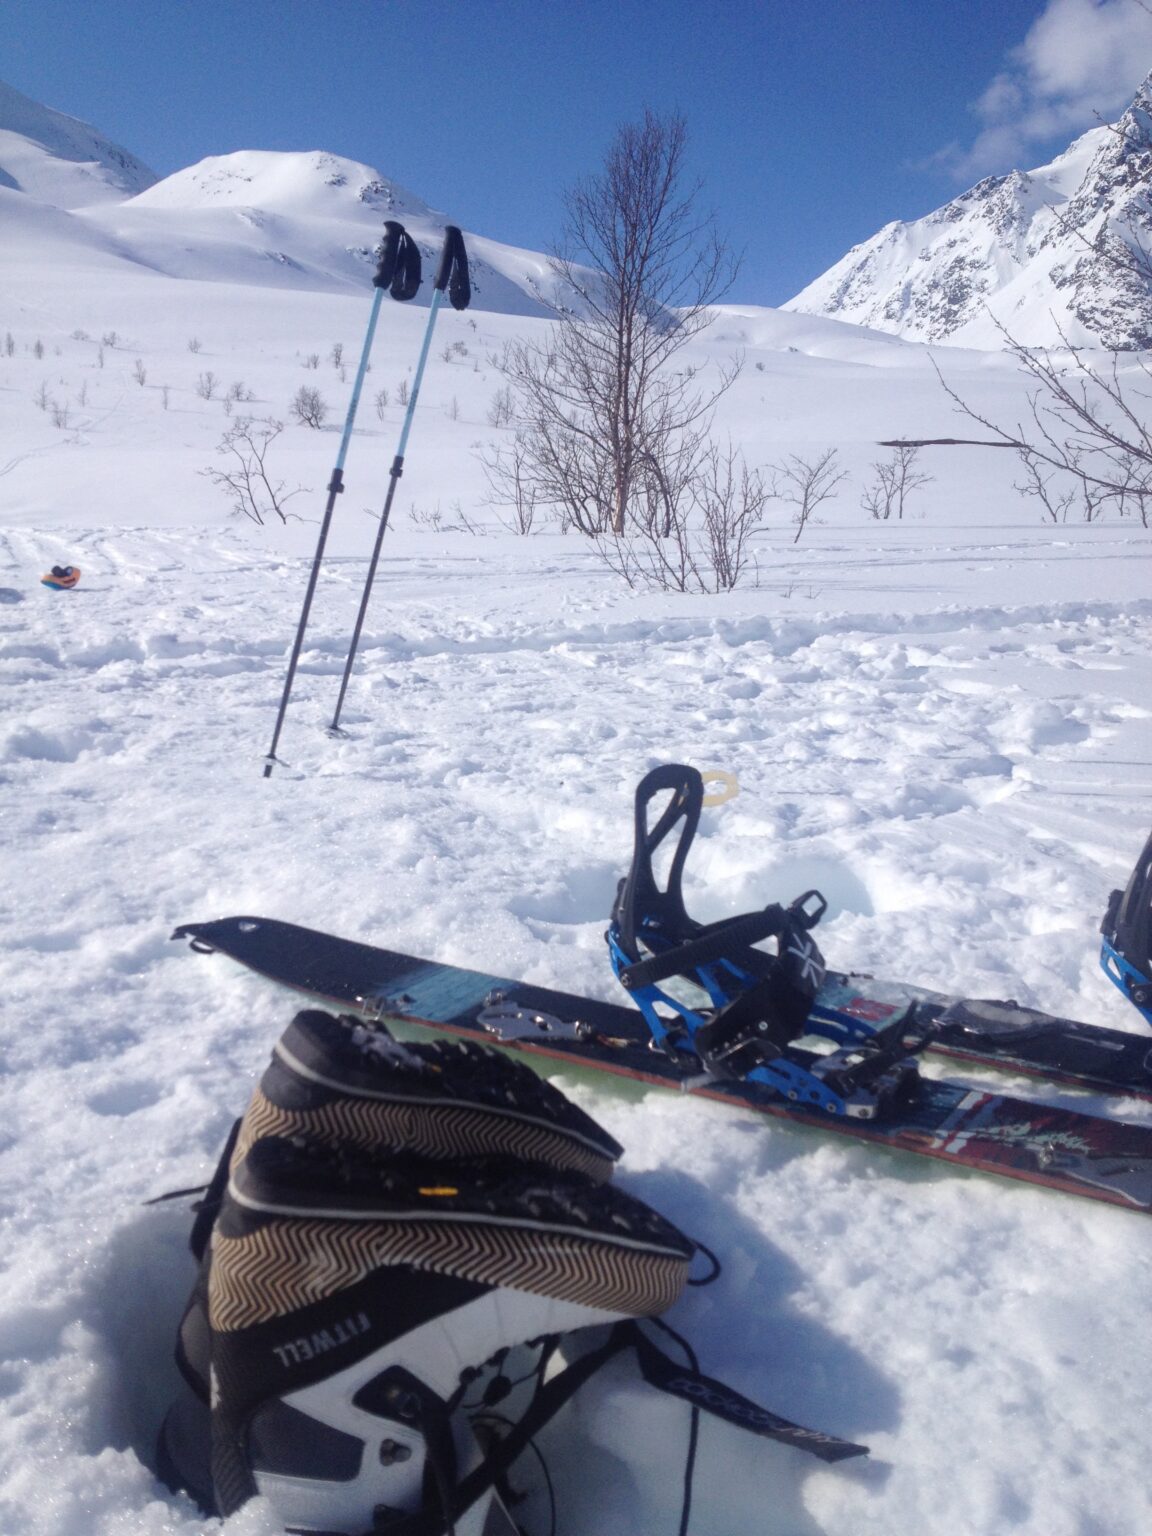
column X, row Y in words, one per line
column 305, row 183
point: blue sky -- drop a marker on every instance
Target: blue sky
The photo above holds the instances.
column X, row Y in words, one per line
column 812, row 122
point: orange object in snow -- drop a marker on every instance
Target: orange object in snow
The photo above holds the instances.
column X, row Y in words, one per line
column 61, row 577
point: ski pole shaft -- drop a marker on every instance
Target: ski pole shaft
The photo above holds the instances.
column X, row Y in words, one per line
column 385, row 274
column 454, row 267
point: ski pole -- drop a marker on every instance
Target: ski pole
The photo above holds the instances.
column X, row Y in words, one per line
column 398, row 271
column 451, row 275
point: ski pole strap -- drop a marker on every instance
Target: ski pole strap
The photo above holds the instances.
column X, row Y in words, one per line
column 714, row 943
column 398, row 268
column 389, row 250
column 452, row 273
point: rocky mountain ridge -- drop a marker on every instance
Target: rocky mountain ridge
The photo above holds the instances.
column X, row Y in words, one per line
column 1054, row 255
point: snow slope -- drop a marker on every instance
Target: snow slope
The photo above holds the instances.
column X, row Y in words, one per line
column 60, row 160
column 944, row 723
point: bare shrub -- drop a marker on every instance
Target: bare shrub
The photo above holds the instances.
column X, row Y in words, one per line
column 206, row 386
column 308, row 407
column 245, row 478
column 1090, row 426
column 509, row 471
column 701, row 541
column 503, row 407
column 895, row 480
column 805, row 484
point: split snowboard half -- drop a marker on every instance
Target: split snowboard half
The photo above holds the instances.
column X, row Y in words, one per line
column 1054, row 1146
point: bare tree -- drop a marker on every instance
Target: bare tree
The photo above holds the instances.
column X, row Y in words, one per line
column 894, row 482
column 606, row 422
column 805, row 484
column 245, row 478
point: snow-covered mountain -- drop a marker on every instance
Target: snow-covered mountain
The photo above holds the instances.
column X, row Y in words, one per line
column 306, row 220
column 1051, row 254
column 59, row 160
column 303, row 219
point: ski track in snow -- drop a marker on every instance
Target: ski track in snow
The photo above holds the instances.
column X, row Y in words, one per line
column 966, row 770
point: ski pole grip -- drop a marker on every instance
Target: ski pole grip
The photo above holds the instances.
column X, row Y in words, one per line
column 386, row 267
column 452, row 273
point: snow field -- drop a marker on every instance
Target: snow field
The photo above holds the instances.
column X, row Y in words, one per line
column 944, row 725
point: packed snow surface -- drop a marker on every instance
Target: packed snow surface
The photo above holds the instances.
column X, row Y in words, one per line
column 943, row 723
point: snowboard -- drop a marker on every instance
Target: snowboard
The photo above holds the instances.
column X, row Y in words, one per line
column 1055, row 1146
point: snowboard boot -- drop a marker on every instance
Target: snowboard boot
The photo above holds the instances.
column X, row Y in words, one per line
column 342, row 1083
column 346, row 1083
column 354, row 1301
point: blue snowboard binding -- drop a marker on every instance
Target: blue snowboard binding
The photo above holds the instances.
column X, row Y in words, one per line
column 707, row 992
column 1126, row 950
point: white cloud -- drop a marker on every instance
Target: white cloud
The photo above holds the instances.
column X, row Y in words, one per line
column 1080, row 60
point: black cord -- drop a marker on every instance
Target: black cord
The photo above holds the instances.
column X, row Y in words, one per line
column 694, row 1420
column 499, row 1418
column 717, row 1267
column 445, row 1490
